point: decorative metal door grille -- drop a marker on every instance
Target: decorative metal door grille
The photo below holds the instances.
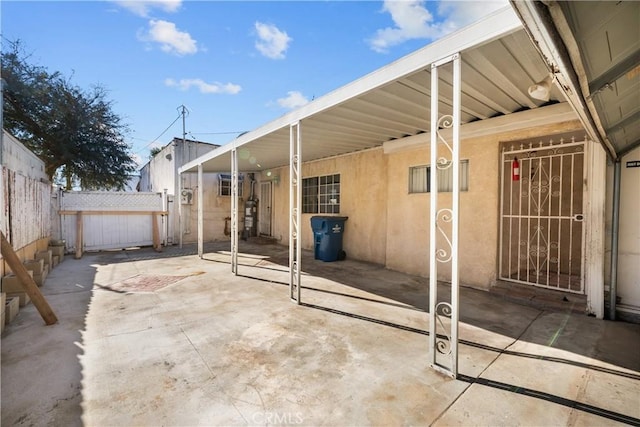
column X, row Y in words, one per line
column 541, row 228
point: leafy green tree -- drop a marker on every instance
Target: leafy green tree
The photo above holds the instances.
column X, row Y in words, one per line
column 74, row 131
column 154, row 151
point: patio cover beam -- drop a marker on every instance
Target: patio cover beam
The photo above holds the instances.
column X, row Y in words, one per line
column 499, row 24
column 540, row 26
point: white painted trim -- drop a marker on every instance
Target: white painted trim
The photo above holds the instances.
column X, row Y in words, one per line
column 594, row 233
column 552, row 114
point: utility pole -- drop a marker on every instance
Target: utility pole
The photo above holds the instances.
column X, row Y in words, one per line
column 184, row 116
column 183, row 111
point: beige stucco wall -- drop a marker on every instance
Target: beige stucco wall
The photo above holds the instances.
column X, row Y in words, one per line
column 161, row 173
column 389, row 226
column 215, row 209
column 408, row 214
column 363, row 195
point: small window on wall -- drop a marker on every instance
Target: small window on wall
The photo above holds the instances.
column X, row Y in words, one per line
column 420, row 178
column 321, row 194
column 224, row 184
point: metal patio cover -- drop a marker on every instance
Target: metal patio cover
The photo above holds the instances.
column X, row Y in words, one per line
column 594, row 47
column 499, row 63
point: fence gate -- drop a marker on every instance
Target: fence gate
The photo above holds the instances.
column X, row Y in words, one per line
column 541, row 223
column 110, row 220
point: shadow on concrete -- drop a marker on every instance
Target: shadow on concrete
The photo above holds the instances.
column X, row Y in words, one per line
column 39, row 359
column 558, row 400
column 560, row 328
column 31, row 359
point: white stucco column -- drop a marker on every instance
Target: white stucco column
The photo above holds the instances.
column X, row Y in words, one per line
column 594, row 233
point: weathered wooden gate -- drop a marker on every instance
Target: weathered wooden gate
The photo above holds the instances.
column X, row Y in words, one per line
column 98, row 220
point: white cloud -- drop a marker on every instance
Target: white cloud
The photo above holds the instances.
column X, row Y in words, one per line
column 293, row 100
column 461, row 13
column 204, row 87
column 414, row 21
column 170, row 38
column 143, row 7
column 271, row 42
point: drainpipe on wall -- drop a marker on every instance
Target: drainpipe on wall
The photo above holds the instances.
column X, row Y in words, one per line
column 615, row 226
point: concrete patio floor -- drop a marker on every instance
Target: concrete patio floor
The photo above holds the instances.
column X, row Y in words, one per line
column 170, row 339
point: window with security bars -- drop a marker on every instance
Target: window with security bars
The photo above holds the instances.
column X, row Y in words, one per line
column 321, row 194
column 224, row 184
column 420, row 178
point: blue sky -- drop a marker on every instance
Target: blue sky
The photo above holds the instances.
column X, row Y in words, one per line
column 235, row 65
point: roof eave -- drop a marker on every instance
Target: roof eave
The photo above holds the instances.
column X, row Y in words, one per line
column 549, row 36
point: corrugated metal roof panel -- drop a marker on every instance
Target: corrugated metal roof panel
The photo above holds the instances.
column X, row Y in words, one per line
column 394, row 102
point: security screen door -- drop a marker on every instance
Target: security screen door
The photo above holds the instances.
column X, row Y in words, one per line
column 541, row 224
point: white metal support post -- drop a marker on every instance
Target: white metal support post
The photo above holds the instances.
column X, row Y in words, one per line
column 443, row 229
column 178, row 199
column 165, row 218
column 234, row 211
column 295, row 211
column 200, row 213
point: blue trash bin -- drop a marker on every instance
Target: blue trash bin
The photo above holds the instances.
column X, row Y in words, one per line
column 327, row 237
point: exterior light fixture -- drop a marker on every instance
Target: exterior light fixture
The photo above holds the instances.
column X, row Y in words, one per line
column 542, row 89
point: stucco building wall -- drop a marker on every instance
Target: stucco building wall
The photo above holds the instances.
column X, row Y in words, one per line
column 161, row 173
column 389, row 226
column 215, row 211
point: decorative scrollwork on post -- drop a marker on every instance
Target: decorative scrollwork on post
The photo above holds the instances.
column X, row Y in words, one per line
column 444, row 216
column 295, row 209
column 445, row 165
column 445, row 122
column 443, row 342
